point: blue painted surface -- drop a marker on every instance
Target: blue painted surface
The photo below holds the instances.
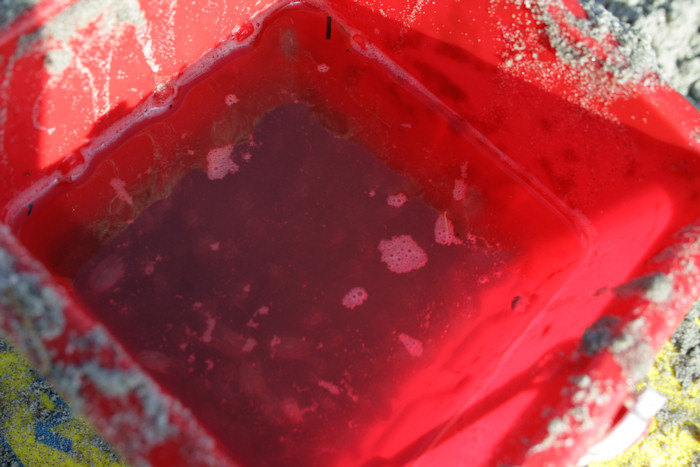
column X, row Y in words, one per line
column 9, row 455
column 60, row 415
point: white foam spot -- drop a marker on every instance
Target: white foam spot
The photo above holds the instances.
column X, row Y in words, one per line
column 445, row 231
column 231, row 99
column 463, row 169
column 211, row 322
column 155, row 361
column 247, row 156
column 351, row 394
column 107, row 273
column 323, row 68
column 214, row 246
column 295, row 414
column 262, row 311
column 150, row 267
column 402, row 254
column 249, row 345
column 119, row 186
column 330, row 387
column 372, row 193
column 355, row 298
column 413, row 346
column 219, row 163
column 397, row 200
column 459, row 192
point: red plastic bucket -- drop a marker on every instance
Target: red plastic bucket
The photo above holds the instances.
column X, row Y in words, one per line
column 342, row 233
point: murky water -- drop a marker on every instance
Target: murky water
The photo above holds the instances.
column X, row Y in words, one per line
column 287, row 298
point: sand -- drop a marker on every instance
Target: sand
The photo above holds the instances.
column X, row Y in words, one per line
column 673, row 28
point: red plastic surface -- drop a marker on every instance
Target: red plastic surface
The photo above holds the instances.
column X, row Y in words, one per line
column 550, row 227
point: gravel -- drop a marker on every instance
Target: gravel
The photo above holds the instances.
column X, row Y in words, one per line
column 673, row 29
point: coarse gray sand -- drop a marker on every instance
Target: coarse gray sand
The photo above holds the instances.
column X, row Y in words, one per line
column 673, row 29
column 686, row 340
column 11, row 9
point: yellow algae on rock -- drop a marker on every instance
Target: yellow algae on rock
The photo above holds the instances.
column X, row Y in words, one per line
column 37, row 427
column 673, row 438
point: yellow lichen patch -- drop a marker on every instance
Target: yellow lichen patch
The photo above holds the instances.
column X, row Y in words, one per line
column 673, row 438
column 671, row 446
column 37, row 427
